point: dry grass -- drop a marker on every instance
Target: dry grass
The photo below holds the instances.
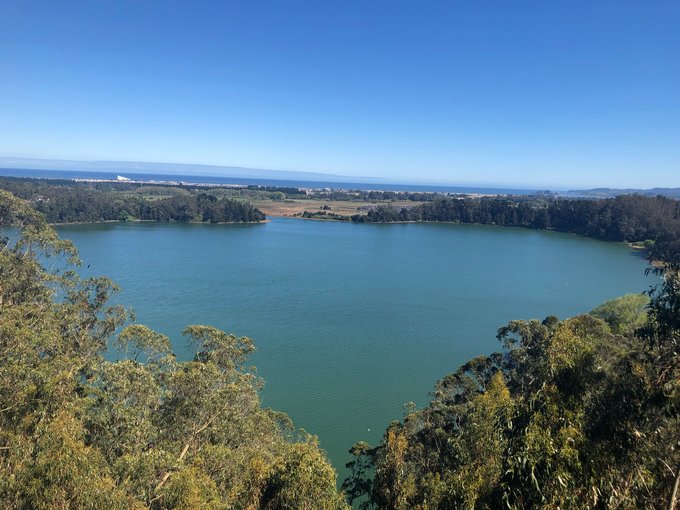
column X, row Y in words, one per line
column 341, row 207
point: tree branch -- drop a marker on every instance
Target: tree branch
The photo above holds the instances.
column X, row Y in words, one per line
column 184, row 451
column 674, row 494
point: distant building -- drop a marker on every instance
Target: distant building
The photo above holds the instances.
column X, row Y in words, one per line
column 121, row 178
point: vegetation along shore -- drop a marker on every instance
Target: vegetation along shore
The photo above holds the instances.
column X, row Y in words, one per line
column 635, row 219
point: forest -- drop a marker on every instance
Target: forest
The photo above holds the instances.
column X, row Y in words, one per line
column 575, row 413
column 73, row 202
column 626, row 218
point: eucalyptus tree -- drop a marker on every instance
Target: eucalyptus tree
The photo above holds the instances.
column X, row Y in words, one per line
column 570, row 415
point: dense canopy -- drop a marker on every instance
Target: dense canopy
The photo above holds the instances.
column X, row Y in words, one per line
column 64, row 201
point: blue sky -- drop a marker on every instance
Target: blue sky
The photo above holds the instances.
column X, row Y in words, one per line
column 539, row 94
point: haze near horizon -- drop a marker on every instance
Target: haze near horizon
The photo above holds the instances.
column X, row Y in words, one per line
column 566, row 94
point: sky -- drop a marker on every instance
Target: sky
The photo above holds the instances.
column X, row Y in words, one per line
column 533, row 94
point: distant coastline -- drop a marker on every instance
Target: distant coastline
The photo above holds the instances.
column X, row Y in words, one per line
column 245, row 181
column 310, row 181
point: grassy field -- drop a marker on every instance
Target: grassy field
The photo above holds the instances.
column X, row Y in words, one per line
column 293, row 207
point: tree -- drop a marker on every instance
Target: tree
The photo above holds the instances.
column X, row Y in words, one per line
column 525, row 428
column 624, row 314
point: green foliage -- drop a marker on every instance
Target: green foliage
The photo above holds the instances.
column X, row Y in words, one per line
column 624, row 314
column 324, row 215
column 299, row 481
column 653, row 221
column 574, row 414
column 78, row 431
column 76, row 202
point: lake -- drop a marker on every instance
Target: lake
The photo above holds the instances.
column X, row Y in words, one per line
column 352, row 321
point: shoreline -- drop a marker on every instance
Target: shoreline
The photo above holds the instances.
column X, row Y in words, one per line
column 636, row 247
column 633, row 246
column 103, row 222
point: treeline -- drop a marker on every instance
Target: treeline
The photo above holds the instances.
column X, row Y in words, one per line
column 582, row 413
column 70, row 202
column 145, row 432
column 201, row 207
column 624, row 218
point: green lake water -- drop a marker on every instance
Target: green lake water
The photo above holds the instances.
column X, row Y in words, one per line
column 352, row 321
